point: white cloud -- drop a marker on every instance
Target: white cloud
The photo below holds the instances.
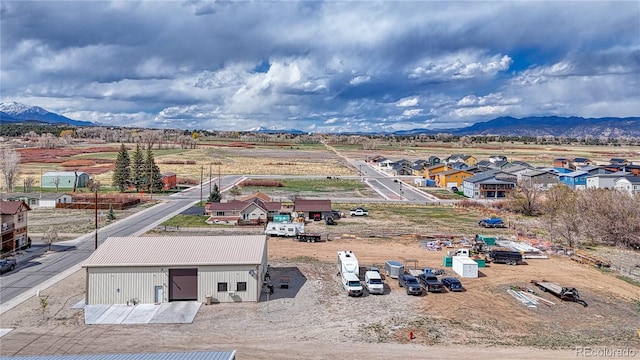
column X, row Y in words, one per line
column 407, row 102
column 460, row 66
column 359, row 80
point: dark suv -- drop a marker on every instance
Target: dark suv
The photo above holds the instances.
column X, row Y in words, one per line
column 411, row 283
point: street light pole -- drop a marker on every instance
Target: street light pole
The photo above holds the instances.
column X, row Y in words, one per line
column 201, row 170
column 96, row 215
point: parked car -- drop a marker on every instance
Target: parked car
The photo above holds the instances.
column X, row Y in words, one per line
column 7, row 265
column 430, row 282
column 359, row 212
column 411, row 284
column 492, row 223
column 453, row 284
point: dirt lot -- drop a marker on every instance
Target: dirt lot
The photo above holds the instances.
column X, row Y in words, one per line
column 315, row 319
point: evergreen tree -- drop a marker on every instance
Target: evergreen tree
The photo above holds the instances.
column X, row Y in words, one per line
column 111, row 215
column 151, row 169
column 215, row 194
column 122, row 172
column 137, row 169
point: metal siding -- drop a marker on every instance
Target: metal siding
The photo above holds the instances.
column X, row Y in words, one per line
column 120, row 285
column 210, row 276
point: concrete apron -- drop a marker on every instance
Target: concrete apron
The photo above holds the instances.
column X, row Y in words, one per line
column 179, row 312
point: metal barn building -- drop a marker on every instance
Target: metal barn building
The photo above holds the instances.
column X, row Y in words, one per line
column 162, row 269
column 64, row 179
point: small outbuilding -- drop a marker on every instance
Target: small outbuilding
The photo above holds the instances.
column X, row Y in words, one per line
column 151, row 270
column 64, row 179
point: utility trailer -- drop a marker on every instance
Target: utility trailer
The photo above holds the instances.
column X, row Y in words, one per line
column 311, row 238
column 565, row 294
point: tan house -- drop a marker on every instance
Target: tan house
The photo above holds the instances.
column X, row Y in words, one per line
column 236, row 212
column 432, row 171
column 452, row 178
column 14, row 226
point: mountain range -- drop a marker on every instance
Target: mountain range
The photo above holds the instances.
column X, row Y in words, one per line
column 573, row 127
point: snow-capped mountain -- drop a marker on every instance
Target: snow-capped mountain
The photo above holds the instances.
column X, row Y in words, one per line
column 274, row 130
column 17, row 112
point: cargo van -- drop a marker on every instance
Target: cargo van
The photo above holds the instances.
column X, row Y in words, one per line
column 373, row 282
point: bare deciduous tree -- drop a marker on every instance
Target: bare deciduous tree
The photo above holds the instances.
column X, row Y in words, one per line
column 562, row 214
column 9, row 161
column 527, row 200
column 50, row 236
column 28, row 183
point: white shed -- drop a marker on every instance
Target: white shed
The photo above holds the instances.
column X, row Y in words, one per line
column 163, row 269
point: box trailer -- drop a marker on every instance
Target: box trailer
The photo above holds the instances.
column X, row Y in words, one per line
column 393, row 269
column 465, row 267
column 284, row 229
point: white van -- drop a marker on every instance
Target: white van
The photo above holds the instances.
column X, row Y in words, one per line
column 351, row 284
column 373, row 282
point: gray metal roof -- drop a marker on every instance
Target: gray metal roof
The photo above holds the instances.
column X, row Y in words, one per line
column 198, row 355
column 178, row 251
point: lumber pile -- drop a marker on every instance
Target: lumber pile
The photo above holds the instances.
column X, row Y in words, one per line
column 584, row 257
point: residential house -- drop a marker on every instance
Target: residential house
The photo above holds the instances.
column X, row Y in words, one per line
column 501, row 165
column 434, row 160
column 593, row 169
column 402, row 168
column 561, row 170
column 452, row 178
column 563, row 163
column 576, row 180
column 517, row 171
column 169, row 181
column 614, row 167
column 64, row 180
column 497, row 158
column 419, row 168
column 234, row 212
column 581, row 161
column 313, row 209
column 634, row 169
column 630, row 184
column 522, row 163
column 467, row 159
column 14, row 226
column 459, row 165
column 43, row 200
column 385, row 164
column 256, row 195
column 618, row 161
column 492, row 184
column 604, row 181
column 538, row 178
column 431, row 171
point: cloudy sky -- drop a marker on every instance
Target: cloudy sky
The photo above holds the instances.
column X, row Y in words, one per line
column 320, row 66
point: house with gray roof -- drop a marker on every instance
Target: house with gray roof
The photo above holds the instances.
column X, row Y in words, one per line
column 492, row 184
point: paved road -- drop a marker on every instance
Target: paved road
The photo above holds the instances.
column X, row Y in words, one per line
column 35, row 270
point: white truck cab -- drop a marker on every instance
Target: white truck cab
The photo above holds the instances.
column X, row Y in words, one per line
column 351, row 284
column 373, row 282
column 463, row 252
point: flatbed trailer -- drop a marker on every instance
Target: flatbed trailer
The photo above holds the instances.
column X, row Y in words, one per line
column 564, row 293
column 311, row 238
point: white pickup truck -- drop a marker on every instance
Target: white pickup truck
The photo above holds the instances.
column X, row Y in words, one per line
column 359, row 212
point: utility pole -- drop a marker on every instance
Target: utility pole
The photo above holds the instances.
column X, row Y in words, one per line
column 209, row 178
column 96, row 215
column 219, row 179
column 201, row 170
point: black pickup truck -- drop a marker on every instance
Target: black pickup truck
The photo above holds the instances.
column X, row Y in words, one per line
column 431, row 283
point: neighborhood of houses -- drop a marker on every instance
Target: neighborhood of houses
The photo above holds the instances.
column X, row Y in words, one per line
column 496, row 177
